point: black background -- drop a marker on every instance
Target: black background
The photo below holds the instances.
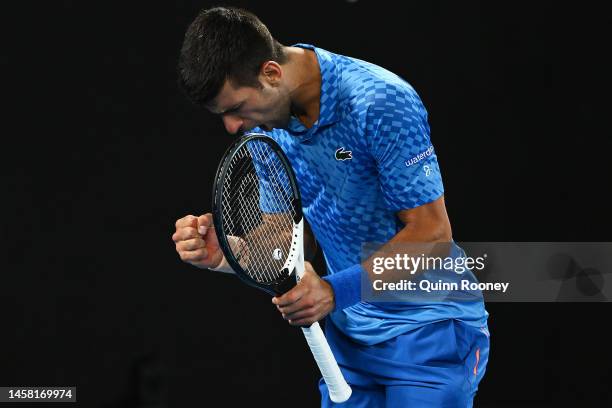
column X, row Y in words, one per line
column 106, row 154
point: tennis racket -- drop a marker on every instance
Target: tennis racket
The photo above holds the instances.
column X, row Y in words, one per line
column 258, row 220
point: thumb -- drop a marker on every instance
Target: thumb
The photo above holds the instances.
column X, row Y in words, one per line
column 204, row 223
column 308, row 267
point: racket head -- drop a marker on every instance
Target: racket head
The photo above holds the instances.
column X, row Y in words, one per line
column 257, row 213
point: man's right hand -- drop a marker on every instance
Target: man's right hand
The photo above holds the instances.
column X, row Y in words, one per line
column 196, row 241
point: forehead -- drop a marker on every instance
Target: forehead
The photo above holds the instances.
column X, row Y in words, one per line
column 228, row 97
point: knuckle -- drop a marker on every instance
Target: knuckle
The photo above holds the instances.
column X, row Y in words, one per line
column 185, row 233
column 185, row 220
column 191, row 244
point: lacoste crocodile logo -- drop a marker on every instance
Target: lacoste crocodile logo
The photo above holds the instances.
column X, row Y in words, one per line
column 342, row 154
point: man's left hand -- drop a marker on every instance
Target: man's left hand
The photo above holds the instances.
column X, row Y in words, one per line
column 309, row 301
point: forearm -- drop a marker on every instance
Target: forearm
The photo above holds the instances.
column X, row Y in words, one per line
column 274, row 232
column 425, row 238
column 236, row 244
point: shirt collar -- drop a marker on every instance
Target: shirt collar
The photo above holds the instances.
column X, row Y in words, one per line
column 328, row 102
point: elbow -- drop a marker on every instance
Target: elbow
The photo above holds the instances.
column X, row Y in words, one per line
column 443, row 232
column 435, row 229
column 432, row 230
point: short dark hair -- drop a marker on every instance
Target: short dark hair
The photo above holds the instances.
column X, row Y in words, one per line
column 224, row 43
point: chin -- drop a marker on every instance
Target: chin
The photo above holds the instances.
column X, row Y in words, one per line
column 281, row 124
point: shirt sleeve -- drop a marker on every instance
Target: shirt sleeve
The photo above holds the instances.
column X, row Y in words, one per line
column 397, row 133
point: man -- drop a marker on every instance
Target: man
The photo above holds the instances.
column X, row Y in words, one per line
column 358, row 139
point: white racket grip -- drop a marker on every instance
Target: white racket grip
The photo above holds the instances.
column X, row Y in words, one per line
column 339, row 390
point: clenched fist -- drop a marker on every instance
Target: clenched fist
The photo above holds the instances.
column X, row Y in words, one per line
column 196, row 241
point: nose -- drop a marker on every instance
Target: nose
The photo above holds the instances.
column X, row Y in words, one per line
column 232, row 123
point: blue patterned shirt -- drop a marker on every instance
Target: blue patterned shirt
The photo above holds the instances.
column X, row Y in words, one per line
column 367, row 156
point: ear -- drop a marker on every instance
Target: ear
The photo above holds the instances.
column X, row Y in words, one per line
column 271, row 72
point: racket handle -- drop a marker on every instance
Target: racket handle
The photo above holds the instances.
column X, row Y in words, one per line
column 339, row 390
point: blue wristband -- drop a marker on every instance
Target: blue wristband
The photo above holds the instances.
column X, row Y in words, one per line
column 347, row 286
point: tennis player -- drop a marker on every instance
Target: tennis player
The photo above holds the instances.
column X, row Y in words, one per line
column 358, row 139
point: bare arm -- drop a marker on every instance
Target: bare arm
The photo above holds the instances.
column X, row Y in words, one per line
column 427, row 223
column 424, row 226
column 275, row 231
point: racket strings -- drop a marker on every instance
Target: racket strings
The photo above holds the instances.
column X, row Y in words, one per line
column 271, row 242
column 275, row 189
column 245, row 167
column 258, row 208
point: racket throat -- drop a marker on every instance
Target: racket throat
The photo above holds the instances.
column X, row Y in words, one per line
column 297, row 248
column 294, row 266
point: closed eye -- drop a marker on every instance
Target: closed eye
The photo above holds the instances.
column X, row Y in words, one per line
column 234, row 109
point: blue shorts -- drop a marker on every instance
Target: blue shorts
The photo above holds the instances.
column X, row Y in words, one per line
column 437, row 365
